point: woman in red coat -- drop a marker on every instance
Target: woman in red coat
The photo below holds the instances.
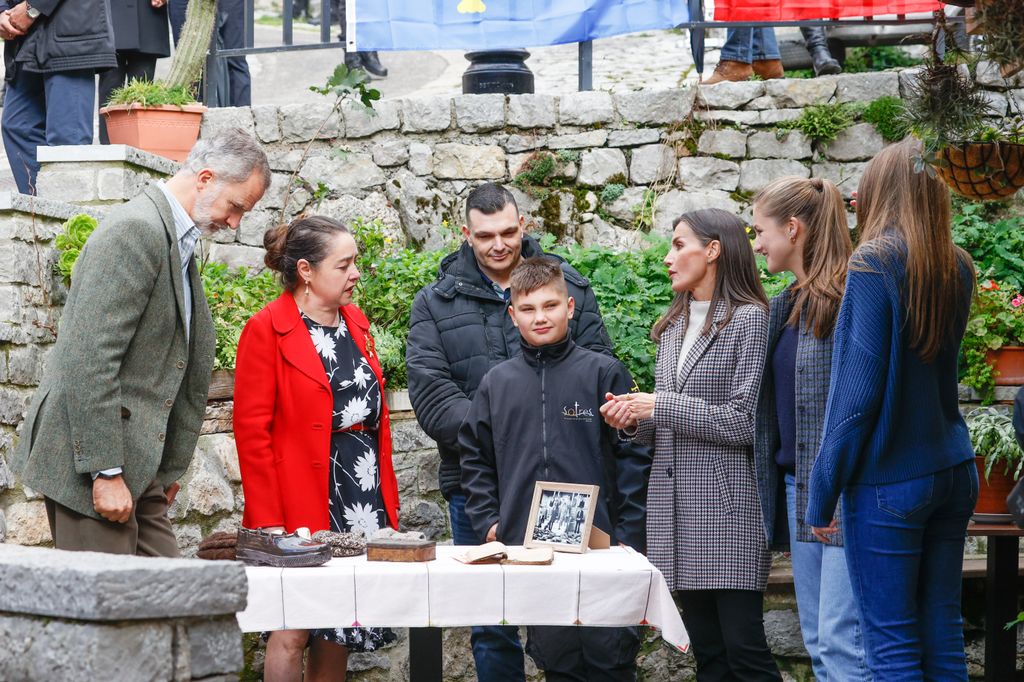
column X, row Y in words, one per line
column 311, row 426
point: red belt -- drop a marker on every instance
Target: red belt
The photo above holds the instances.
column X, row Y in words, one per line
column 354, row 427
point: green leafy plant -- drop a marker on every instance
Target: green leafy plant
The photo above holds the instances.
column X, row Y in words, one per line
column 611, row 192
column 823, row 122
column 994, row 236
column 643, row 213
column 389, row 344
column 535, row 172
column 69, row 242
column 887, row 115
column 234, row 296
column 146, row 93
column 993, row 438
column 996, row 320
column 878, row 58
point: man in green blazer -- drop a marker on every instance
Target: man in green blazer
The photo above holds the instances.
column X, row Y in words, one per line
column 116, row 417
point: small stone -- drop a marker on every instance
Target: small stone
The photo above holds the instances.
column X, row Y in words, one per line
column 531, row 111
column 254, row 224
column 426, row 115
column 599, row 166
column 424, row 516
column 390, row 153
column 469, row 162
column 997, row 101
column 478, row 113
column 204, row 487
column 657, row 107
column 267, row 127
column 274, row 197
column 652, row 163
column 729, row 95
column 598, row 232
column 69, row 185
column 591, row 138
column 215, row 646
column 27, row 523
column 300, row 122
column 791, row 144
column 585, row 108
column 361, row 121
column 345, row 173
column 624, row 208
column 845, row 175
column 25, row 366
column 237, row 256
column 801, row 92
column 731, row 143
column 633, row 138
column 421, row 159
column 865, row 87
column 220, row 447
column 120, row 184
column 757, row 173
column 13, row 404
column 421, row 209
column 989, row 74
column 523, row 143
column 773, row 116
column 348, row 208
column 703, row 172
column 861, row 141
column 218, row 119
column 761, row 103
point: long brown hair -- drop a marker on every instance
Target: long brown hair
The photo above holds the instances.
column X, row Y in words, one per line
column 736, row 279
column 903, row 209
column 819, row 206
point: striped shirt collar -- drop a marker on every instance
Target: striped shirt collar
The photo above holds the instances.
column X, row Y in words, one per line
column 185, row 228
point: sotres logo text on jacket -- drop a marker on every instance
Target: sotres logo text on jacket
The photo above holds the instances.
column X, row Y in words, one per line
column 577, row 413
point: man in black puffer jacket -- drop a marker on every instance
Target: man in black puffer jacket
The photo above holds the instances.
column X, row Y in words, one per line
column 52, row 52
column 459, row 329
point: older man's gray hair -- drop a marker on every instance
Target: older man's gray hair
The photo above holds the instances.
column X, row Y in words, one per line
column 233, row 155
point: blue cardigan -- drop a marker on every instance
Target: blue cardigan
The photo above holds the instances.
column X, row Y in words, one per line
column 891, row 417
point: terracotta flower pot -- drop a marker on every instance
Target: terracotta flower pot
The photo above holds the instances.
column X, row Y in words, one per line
column 165, row 130
column 984, row 171
column 992, row 494
column 1008, row 362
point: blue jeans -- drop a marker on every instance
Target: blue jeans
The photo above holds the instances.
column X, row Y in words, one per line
column 45, row 110
column 749, row 45
column 824, row 599
column 497, row 651
column 905, row 549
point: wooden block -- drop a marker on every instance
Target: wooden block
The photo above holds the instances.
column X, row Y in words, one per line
column 401, row 550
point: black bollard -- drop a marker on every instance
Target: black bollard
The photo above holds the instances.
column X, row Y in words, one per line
column 497, row 71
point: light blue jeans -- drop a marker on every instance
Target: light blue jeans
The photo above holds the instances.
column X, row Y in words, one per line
column 829, row 618
column 749, row 45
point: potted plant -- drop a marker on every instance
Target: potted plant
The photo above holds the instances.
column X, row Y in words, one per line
column 999, row 460
column 163, row 117
column 993, row 345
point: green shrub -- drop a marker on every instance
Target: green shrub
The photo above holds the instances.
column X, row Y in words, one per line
column 611, row 192
column 886, row 114
column 390, row 347
column 151, row 93
column 995, row 240
column 823, row 122
column 862, row 59
column 70, row 241
column 234, row 296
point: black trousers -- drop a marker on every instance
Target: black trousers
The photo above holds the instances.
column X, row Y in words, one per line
column 726, row 629
column 229, row 34
column 584, row 654
column 129, row 65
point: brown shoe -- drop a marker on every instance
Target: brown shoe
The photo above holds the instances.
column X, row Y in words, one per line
column 728, row 70
column 282, row 550
column 769, row 68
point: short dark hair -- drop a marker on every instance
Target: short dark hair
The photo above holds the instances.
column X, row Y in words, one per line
column 489, row 198
column 534, row 273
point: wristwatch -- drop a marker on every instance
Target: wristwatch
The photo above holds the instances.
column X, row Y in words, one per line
column 31, row 11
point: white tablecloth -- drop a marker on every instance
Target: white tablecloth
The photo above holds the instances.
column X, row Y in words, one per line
column 600, row 587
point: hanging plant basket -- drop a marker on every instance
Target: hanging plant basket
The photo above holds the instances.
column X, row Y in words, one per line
column 984, row 171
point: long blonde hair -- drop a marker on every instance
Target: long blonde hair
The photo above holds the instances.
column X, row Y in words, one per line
column 900, row 205
column 819, row 206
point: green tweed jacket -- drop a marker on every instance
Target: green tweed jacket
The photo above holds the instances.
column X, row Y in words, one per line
column 123, row 386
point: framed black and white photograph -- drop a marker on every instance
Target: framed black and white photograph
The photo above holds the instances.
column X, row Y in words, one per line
column 561, row 516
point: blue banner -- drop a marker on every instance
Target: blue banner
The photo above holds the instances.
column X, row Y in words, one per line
column 491, row 24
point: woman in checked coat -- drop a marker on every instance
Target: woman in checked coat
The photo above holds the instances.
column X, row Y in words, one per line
column 704, row 527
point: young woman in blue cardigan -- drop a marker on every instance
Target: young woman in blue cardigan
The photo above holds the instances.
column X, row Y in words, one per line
column 801, row 228
column 894, row 444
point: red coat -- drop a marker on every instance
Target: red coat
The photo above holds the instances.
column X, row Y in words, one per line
column 282, row 420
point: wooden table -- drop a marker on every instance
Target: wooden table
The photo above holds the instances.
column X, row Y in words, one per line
column 1000, row 597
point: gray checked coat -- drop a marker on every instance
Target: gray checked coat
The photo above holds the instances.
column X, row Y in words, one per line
column 704, row 528
column 813, row 371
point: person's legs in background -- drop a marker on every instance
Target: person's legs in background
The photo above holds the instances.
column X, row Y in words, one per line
column 821, row 58
column 357, row 60
column 742, row 615
column 806, row 558
column 840, row 638
column 765, row 52
column 231, row 23
column 24, row 127
column 699, row 609
column 176, row 10
column 130, row 65
column 497, row 651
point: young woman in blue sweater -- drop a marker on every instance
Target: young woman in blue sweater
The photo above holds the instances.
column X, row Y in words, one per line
column 894, row 443
column 802, row 229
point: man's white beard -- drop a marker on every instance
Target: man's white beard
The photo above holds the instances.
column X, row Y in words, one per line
column 201, row 212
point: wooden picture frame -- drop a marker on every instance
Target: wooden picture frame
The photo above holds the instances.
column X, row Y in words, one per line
column 561, row 516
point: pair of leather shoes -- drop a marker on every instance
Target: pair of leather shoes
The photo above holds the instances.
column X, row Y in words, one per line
column 733, row 71
column 280, row 550
column 368, row 61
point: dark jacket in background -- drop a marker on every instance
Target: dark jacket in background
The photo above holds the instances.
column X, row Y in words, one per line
column 535, row 418
column 458, row 330
column 1018, row 416
column 140, row 27
column 69, row 35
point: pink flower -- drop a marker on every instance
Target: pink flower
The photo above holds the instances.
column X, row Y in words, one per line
column 1017, row 301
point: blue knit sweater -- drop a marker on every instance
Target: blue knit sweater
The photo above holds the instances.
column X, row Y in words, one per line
column 891, row 417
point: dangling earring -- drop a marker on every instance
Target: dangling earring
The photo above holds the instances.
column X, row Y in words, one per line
column 307, row 287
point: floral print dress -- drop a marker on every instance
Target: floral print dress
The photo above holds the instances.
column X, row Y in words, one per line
column 355, row 501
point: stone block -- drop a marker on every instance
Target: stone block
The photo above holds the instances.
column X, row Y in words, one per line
column 70, row 184
column 861, row 141
column 421, row 159
column 997, row 101
column 89, row 586
column 266, row 125
column 219, row 119
column 625, row 207
column 426, row 115
column 703, row 172
column 120, row 184
column 13, row 404
column 761, row 103
column 421, row 209
column 865, row 87
column 85, row 153
column 729, row 95
column 652, row 163
column 479, row 113
column 757, row 173
column 254, row 224
column 277, row 193
column 599, row 166
column 237, row 255
column 6, row 477
column 3, row 526
column 585, row 108
column 391, row 153
column 25, row 365
column 846, row 176
column 345, row 173
column 215, row 647
column 598, row 232
column 591, row 138
column 731, row 143
column 780, row 144
column 773, row 116
column 204, row 487
column 801, row 92
column 523, row 143
column 990, row 76
column 361, row 121
column 300, row 122
column 633, row 138
column 674, row 203
column 724, row 116
column 654, row 107
column 531, row 111
column 27, row 524
column 425, row 516
column 468, row 162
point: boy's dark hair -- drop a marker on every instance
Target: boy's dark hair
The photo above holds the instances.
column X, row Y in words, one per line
column 489, row 198
column 534, row 273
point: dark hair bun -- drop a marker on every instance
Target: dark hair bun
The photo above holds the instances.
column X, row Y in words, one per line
column 274, row 241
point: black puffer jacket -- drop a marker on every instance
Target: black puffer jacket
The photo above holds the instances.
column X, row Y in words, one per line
column 458, row 330
column 69, row 35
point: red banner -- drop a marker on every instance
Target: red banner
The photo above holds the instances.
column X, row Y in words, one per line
column 796, row 10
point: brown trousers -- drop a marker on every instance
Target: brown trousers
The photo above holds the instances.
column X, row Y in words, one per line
column 147, row 533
